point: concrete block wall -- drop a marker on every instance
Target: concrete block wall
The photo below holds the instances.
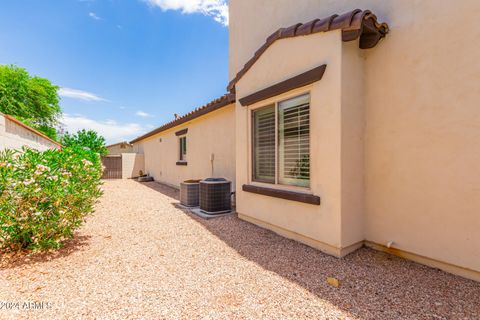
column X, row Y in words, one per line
column 14, row 135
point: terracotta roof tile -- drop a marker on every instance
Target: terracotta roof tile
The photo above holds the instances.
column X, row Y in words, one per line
column 343, row 21
column 323, row 25
column 274, row 36
column 290, row 31
column 216, row 104
column 354, row 24
column 306, row 28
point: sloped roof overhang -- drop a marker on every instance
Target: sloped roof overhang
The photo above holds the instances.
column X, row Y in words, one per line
column 216, row 104
column 355, row 24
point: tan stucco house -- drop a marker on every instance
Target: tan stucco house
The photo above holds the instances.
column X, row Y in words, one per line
column 119, row 148
column 197, row 145
column 345, row 127
column 350, row 131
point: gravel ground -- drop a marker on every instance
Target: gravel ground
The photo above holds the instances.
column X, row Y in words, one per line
column 139, row 257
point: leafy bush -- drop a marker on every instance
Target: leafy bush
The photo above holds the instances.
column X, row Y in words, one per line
column 86, row 139
column 45, row 196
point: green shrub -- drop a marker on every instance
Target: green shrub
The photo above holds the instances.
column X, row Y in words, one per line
column 45, row 196
column 89, row 139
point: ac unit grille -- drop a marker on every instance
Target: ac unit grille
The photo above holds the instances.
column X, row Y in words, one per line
column 215, row 195
column 190, row 194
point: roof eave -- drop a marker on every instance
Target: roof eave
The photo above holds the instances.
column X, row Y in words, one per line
column 355, row 24
column 216, row 104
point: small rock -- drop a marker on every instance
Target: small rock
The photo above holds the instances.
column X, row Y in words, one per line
column 333, row 282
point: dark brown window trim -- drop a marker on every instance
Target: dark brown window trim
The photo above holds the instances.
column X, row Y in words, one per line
column 299, row 81
column 283, row 194
column 181, row 132
column 182, row 163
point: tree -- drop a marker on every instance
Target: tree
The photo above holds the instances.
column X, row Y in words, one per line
column 33, row 100
column 85, row 139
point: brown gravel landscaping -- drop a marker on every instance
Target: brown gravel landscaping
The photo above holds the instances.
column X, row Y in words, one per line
column 140, row 257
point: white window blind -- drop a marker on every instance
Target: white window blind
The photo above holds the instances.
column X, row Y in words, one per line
column 281, row 142
column 264, row 144
column 294, row 141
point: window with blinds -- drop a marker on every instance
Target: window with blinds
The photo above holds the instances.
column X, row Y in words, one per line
column 289, row 138
column 294, row 141
column 264, row 144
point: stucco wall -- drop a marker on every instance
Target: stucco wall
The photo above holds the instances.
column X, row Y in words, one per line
column 352, row 144
column 336, row 143
column 213, row 133
column 422, row 146
column 15, row 136
column 317, row 223
column 132, row 164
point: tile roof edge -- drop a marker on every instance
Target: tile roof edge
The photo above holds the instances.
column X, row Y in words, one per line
column 352, row 24
column 213, row 105
column 116, row 144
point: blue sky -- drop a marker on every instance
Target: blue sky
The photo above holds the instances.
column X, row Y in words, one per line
column 125, row 66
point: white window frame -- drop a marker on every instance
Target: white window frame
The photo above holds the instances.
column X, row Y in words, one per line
column 268, row 102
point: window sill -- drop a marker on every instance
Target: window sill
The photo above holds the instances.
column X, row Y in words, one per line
column 283, row 194
column 182, row 163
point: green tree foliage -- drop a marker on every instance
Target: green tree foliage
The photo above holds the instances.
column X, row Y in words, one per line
column 33, row 100
column 85, row 139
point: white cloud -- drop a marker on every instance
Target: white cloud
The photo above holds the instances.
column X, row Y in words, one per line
column 217, row 9
column 111, row 130
column 79, row 94
column 143, row 114
column 94, row 16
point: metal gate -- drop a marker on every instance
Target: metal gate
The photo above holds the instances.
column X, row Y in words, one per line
column 113, row 167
